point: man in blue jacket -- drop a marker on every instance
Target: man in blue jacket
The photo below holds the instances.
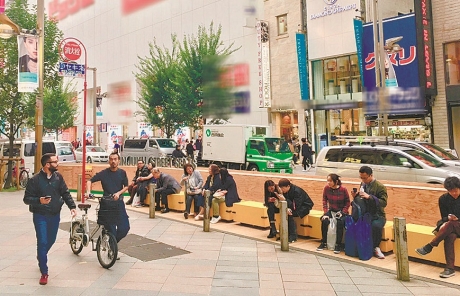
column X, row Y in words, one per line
column 45, row 194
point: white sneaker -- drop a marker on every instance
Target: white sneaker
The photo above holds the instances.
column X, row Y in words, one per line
column 304, row 171
column 309, row 168
column 218, row 219
column 378, row 253
column 214, row 220
column 199, row 217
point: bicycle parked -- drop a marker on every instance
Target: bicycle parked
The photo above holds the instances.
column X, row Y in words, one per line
column 81, row 234
column 23, row 176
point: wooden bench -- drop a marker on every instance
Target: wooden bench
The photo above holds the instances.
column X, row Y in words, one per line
column 251, row 213
column 420, row 235
column 226, row 213
column 387, row 243
column 310, row 225
column 176, row 201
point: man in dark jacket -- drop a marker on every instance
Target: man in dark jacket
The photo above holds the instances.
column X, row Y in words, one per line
column 166, row 185
column 133, row 188
column 298, row 202
column 45, row 194
column 306, row 155
column 177, row 153
column 190, row 150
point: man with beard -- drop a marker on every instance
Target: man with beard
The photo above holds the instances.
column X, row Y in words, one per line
column 114, row 182
column 45, row 194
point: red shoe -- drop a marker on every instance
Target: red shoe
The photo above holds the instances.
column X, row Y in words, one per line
column 43, row 279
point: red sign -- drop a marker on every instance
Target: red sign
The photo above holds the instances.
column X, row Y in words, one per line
column 61, row 9
column 129, row 6
column 71, row 51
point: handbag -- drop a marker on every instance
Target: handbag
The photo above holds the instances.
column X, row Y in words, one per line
column 193, row 191
column 219, row 195
column 332, row 232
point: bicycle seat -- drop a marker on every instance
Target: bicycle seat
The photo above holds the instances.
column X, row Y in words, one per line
column 84, row 206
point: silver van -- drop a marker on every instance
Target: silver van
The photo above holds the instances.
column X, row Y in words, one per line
column 147, row 148
column 388, row 163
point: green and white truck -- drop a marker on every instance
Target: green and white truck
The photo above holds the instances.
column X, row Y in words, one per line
column 245, row 147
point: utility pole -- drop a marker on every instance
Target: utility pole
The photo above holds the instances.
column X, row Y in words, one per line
column 39, row 99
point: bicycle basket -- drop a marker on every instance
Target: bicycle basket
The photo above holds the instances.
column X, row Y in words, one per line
column 108, row 211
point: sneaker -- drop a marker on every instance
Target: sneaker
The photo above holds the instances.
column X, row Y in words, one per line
column 378, row 253
column 165, row 210
column 199, row 217
column 185, row 215
column 424, row 250
column 321, row 247
column 43, row 279
column 304, row 171
column 214, row 220
column 218, row 219
column 447, row 273
column 337, row 249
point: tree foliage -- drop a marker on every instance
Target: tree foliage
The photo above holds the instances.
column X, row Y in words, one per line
column 173, row 81
column 15, row 107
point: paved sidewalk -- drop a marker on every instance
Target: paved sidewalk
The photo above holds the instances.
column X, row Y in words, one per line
column 218, row 263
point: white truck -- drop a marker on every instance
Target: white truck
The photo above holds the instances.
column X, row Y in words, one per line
column 245, row 147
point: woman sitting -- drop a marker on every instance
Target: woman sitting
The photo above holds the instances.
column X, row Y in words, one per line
column 193, row 182
column 272, row 194
column 213, row 182
column 336, row 202
column 228, row 193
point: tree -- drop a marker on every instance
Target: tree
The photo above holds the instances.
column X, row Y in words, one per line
column 15, row 108
column 60, row 108
column 173, row 81
column 158, row 100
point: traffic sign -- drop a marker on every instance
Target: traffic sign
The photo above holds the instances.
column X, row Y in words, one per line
column 71, row 70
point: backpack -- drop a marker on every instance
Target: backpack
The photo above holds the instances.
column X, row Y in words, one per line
column 358, row 208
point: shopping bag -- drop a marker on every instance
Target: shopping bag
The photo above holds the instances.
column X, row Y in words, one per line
column 351, row 248
column 332, row 232
column 363, row 235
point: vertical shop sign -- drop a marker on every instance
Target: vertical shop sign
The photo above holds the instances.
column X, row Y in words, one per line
column 358, row 25
column 263, row 61
column 425, row 44
column 302, row 65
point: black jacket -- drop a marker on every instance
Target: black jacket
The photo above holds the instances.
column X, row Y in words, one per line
column 216, row 183
column 39, row 185
column 232, row 193
column 298, row 201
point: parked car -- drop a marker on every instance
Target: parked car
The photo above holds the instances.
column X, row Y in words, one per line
column 93, row 154
column 388, row 163
column 148, row 148
column 431, row 149
column 65, row 154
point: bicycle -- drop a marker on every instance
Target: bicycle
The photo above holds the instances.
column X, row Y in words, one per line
column 23, row 177
column 81, row 234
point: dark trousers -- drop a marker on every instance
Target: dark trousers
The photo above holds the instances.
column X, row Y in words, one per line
column 339, row 228
column 163, row 194
column 46, row 229
column 377, row 229
column 271, row 210
column 306, row 158
column 121, row 228
column 199, row 202
column 132, row 190
column 448, row 234
column 142, row 190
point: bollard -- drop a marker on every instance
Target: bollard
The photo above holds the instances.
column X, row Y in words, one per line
column 402, row 260
column 152, row 188
column 284, row 226
column 79, row 188
column 206, row 220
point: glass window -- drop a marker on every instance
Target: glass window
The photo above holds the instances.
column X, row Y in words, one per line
column 282, row 24
column 443, row 154
column 136, row 144
column 452, row 63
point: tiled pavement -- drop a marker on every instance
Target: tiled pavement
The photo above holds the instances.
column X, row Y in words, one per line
column 219, row 263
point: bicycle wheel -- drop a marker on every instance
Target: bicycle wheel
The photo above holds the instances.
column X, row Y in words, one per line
column 107, row 249
column 76, row 236
column 23, row 179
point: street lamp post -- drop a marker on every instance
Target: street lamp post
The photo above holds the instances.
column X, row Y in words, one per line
column 39, row 99
column 95, row 130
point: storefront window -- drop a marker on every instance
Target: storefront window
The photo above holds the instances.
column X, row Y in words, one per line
column 452, row 60
column 336, row 76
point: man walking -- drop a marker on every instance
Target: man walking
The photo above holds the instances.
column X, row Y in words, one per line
column 306, row 155
column 45, row 194
column 114, row 182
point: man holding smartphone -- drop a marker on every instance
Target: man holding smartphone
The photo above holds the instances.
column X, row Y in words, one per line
column 45, row 194
column 448, row 227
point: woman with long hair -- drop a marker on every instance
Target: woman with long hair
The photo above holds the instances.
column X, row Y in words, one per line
column 228, row 193
column 272, row 196
column 193, row 182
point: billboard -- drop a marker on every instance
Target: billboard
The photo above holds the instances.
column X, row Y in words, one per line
column 403, row 92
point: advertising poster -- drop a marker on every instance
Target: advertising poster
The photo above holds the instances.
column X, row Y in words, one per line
column 115, row 135
column 27, row 63
column 89, row 135
column 144, row 130
column 403, row 92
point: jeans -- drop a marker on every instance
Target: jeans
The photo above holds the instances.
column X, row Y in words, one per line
column 46, row 228
column 121, row 228
column 449, row 233
column 164, row 197
column 377, row 229
column 199, row 202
